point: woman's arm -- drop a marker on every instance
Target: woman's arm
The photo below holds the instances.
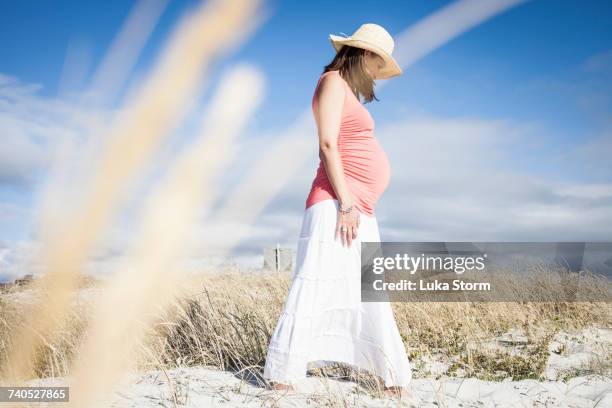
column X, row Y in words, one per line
column 330, row 101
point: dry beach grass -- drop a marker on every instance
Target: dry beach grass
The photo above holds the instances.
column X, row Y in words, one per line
column 224, row 319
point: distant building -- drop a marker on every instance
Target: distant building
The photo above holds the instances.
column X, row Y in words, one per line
column 278, row 259
column 27, row 278
column 17, row 282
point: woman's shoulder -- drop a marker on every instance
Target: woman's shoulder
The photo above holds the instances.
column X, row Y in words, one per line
column 332, row 83
column 333, row 71
column 331, row 79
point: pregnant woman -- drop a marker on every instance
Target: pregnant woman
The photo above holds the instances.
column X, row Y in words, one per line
column 323, row 319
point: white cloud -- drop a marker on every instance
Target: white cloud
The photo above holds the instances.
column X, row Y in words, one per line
column 595, row 156
column 31, row 128
column 455, row 180
column 16, row 259
column 600, row 62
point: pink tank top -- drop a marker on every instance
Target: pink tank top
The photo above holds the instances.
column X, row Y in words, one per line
column 366, row 166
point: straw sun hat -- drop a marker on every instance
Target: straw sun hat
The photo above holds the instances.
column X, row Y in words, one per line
column 376, row 39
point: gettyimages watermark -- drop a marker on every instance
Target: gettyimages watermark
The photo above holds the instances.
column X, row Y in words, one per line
column 486, row 271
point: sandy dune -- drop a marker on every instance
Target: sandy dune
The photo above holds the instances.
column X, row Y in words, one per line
column 209, row 387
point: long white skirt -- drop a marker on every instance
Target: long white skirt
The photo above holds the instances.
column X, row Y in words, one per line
column 323, row 319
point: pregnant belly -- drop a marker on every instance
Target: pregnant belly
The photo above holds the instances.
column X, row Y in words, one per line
column 367, row 167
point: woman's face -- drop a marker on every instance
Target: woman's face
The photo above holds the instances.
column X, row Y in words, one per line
column 374, row 63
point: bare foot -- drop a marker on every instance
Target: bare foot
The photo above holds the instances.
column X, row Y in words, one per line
column 280, row 386
column 394, row 391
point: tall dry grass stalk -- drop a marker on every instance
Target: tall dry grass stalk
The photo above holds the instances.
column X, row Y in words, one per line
column 68, row 238
column 145, row 283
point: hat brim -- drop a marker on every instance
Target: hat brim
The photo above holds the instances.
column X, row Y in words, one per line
column 389, row 70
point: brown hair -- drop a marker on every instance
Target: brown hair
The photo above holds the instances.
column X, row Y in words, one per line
column 349, row 61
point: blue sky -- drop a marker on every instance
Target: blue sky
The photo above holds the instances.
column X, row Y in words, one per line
column 544, row 67
column 534, row 42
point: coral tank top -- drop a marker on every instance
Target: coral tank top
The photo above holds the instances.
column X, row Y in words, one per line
column 365, row 164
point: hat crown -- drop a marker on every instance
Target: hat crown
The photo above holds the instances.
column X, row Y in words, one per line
column 374, row 38
column 375, row 34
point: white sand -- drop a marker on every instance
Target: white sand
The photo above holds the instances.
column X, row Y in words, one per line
column 209, row 387
column 570, row 354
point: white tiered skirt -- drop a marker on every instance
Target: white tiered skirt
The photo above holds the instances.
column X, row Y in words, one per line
column 323, row 319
